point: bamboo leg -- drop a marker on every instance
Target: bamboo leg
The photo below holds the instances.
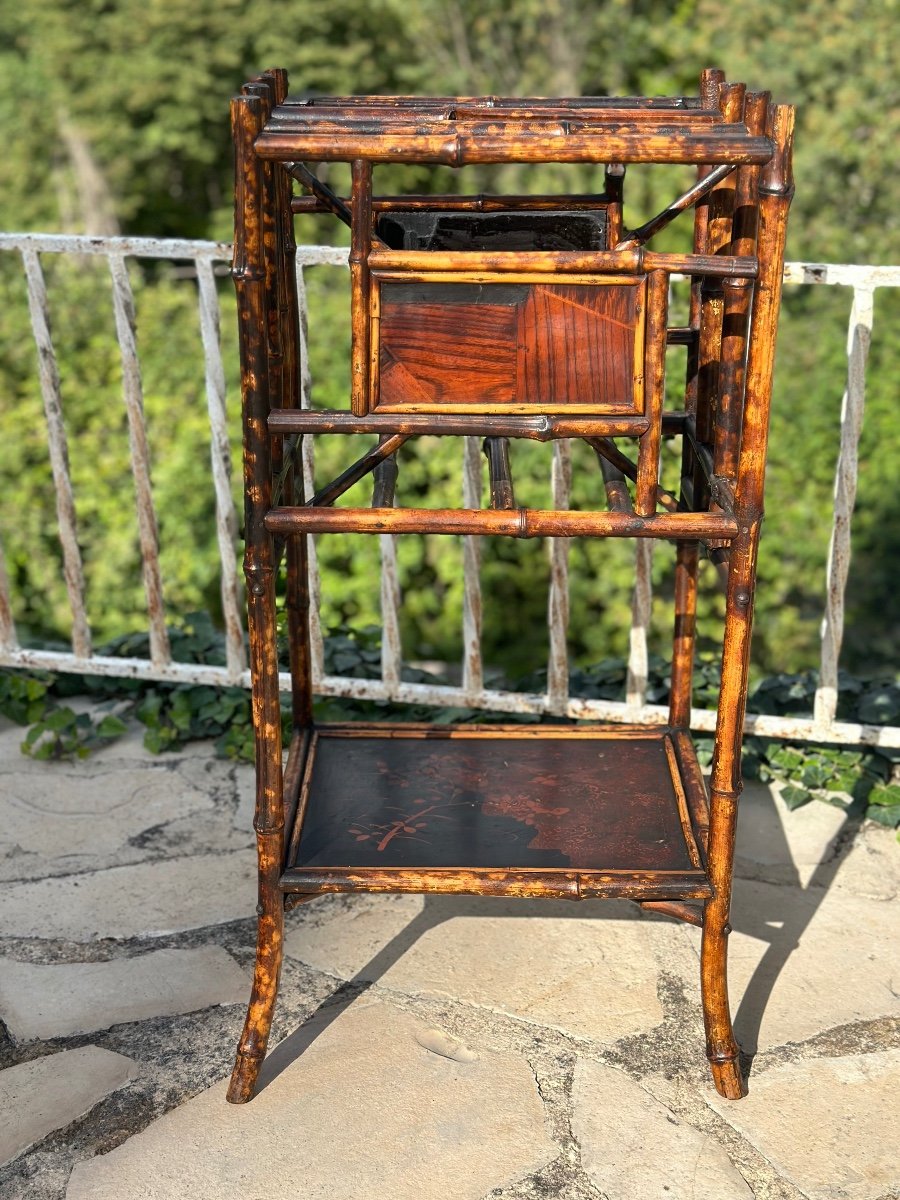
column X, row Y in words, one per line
column 253, row 248
column 721, row 1047
column 775, row 191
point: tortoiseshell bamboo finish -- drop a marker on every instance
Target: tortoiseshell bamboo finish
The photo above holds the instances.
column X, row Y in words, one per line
column 472, row 329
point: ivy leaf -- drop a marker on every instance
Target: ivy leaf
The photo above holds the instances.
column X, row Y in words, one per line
column 885, row 795
column 885, row 815
column 795, row 797
column 60, row 719
column 111, row 727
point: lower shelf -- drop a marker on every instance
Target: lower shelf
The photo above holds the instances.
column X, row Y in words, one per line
column 506, row 810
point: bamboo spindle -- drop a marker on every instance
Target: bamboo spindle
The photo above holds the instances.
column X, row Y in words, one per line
column 558, row 594
column 384, row 482
column 710, row 82
column 718, row 237
column 686, row 562
column 655, row 384
column 606, row 449
column 613, row 184
column 297, row 598
column 496, row 451
column 737, row 299
column 360, row 284
column 703, row 186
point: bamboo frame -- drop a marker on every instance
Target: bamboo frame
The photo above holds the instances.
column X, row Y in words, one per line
column 544, row 428
column 562, row 141
column 519, row 522
column 741, row 146
column 591, row 264
column 481, row 203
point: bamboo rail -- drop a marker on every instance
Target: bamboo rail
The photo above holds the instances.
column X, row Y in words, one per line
column 520, row 522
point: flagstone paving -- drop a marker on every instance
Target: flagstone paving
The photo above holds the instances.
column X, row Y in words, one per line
column 451, row 1047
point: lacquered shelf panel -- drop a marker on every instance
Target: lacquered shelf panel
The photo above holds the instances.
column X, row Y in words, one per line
column 555, row 810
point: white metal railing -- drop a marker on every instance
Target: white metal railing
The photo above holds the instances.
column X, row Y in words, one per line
column 821, row 725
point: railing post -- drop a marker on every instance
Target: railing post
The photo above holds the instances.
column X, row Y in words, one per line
column 858, row 341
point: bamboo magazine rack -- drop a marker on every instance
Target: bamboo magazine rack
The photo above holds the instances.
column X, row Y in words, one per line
column 510, row 317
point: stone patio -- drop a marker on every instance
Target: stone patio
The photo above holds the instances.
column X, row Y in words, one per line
column 445, row 1047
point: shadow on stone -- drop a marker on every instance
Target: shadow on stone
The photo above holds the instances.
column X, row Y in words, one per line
column 780, row 922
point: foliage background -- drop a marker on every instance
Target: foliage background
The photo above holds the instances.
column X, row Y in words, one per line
column 114, row 115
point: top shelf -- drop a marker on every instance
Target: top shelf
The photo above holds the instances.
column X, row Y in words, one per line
column 462, row 130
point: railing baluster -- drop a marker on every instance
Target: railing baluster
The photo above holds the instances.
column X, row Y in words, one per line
column 859, row 337
column 641, row 605
column 316, row 640
column 220, row 456
column 59, row 452
column 472, row 665
column 9, row 642
column 558, row 602
column 123, row 303
column 391, row 650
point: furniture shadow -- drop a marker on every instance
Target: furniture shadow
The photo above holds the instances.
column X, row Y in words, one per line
column 780, row 921
column 780, row 912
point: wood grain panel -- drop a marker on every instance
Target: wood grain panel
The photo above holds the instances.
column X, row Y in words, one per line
column 439, row 353
column 524, row 343
column 576, row 345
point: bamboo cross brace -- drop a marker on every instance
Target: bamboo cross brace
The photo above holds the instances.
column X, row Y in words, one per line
column 607, row 449
column 617, row 493
column 637, row 237
column 322, row 192
column 356, row 471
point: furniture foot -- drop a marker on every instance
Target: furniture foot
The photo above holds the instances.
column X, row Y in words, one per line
column 254, row 1039
column 727, row 1077
column 722, row 1049
column 243, row 1078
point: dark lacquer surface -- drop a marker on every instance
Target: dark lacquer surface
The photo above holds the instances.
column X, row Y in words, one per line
column 493, row 802
column 495, row 231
